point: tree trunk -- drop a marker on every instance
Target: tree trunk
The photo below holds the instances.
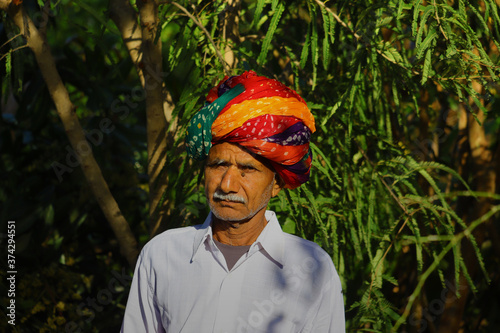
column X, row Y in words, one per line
column 156, row 122
column 125, row 18
column 75, row 133
column 230, row 31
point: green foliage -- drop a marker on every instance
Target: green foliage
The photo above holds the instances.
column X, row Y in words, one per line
column 382, row 79
column 280, row 7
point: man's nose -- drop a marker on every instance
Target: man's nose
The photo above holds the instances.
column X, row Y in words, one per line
column 230, row 180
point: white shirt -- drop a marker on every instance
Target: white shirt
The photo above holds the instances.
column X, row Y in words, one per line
column 282, row 284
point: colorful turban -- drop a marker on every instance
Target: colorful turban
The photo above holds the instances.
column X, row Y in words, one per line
column 262, row 115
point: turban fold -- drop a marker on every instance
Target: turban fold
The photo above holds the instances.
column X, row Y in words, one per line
column 260, row 114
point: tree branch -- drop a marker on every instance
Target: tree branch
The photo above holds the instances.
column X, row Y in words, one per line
column 12, row 51
column 125, row 18
column 75, row 133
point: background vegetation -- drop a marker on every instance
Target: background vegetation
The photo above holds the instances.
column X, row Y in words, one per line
column 96, row 95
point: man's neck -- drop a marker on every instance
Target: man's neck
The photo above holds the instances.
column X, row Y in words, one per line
column 241, row 232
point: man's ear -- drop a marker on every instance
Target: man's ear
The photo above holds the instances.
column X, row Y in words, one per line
column 278, row 184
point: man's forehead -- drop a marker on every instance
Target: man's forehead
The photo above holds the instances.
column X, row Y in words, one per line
column 227, row 150
column 230, row 152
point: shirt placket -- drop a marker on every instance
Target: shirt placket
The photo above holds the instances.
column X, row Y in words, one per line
column 228, row 305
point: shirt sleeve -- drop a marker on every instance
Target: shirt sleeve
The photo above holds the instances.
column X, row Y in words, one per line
column 329, row 316
column 142, row 313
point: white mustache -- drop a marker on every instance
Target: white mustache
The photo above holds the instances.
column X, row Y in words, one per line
column 219, row 195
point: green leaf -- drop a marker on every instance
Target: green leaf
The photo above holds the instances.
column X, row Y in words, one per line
column 305, row 49
column 393, row 55
column 378, row 268
column 326, row 53
column 451, row 50
column 473, row 94
column 49, row 215
column 258, row 12
column 384, row 21
column 326, row 40
column 289, row 227
column 427, row 66
column 485, row 29
column 395, row 94
column 314, row 46
column 332, row 111
column 326, row 20
column 399, row 13
column 371, row 210
column 274, row 4
column 416, row 12
column 356, row 243
column 332, row 24
column 270, row 32
column 428, row 11
column 331, row 169
column 427, row 43
column 8, row 66
column 461, row 9
column 494, row 10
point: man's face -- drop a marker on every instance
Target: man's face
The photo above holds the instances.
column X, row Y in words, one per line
column 237, row 185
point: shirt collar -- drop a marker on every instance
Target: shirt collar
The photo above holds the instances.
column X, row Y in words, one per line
column 271, row 239
column 204, row 231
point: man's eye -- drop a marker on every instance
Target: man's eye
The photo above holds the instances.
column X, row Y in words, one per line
column 217, row 166
column 248, row 168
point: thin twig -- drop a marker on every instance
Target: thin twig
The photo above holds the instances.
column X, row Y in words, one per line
column 438, row 20
column 10, row 40
column 11, row 51
column 202, row 27
column 460, row 78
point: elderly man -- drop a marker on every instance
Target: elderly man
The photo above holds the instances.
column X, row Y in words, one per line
column 239, row 272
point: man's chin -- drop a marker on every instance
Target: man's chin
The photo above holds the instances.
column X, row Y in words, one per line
column 231, row 214
column 234, row 218
column 228, row 213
